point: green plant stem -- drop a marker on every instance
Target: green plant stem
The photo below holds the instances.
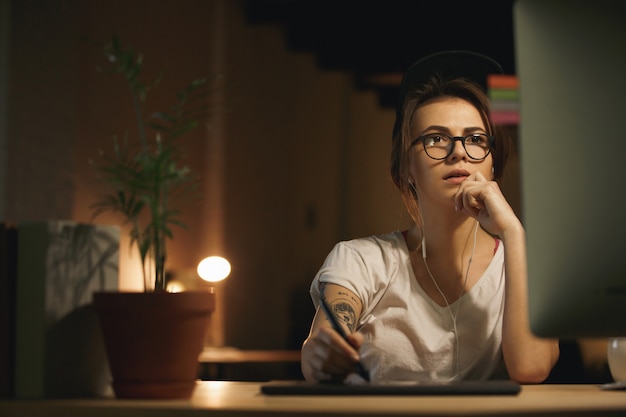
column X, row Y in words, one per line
column 139, row 118
column 144, row 179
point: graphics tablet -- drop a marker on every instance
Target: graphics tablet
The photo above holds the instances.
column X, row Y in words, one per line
column 504, row 387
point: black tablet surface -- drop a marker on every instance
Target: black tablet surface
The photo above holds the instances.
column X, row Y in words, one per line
column 399, row 388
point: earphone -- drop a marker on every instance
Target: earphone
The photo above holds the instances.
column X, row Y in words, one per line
column 412, row 185
column 453, row 315
column 457, row 346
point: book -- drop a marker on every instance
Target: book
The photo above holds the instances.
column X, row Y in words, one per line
column 502, row 81
column 8, row 261
column 59, row 351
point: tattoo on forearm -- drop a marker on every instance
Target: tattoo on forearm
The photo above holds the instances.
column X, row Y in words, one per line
column 344, row 307
column 345, row 312
column 352, row 297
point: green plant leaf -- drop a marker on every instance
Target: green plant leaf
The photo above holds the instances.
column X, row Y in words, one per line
column 147, row 176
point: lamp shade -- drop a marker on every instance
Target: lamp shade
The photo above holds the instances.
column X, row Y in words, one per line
column 214, row 268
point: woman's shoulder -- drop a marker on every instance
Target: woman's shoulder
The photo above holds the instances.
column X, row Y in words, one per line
column 365, row 265
column 382, row 243
column 383, row 249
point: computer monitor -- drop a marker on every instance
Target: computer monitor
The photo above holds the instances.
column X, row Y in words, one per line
column 571, row 64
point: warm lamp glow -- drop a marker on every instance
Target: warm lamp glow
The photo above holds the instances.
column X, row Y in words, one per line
column 213, row 268
column 175, row 286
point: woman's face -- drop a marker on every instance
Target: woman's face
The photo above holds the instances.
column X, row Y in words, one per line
column 438, row 180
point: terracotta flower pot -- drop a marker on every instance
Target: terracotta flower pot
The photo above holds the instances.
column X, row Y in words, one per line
column 153, row 340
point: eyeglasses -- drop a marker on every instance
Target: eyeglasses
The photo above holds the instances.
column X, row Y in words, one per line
column 440, row 146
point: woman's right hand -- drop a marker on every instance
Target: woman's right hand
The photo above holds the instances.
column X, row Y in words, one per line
column 326, row 357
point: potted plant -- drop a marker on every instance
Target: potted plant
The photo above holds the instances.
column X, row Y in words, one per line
column 153, row 338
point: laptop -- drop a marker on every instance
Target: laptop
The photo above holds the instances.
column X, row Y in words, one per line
column 491, row 387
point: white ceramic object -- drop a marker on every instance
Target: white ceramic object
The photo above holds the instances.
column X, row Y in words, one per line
column 616, row 356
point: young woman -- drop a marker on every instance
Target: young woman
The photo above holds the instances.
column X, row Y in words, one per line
column 445, row 300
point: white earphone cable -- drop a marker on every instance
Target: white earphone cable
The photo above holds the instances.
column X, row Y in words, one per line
column 445, row 299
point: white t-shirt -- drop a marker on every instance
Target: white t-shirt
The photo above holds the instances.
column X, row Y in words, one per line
column 407, row 336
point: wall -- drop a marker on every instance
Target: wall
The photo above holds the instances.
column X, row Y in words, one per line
column 291, row 160
column 289, row 188
column 5, row 24
column 40, row 111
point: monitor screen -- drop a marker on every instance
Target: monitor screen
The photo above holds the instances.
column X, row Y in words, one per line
column 571, row 64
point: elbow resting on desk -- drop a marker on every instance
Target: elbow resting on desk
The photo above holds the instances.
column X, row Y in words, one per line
column 533, row 369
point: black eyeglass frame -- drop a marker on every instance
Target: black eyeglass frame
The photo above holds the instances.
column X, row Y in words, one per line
column 490, row 138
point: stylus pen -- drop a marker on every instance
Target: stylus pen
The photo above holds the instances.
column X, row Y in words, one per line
column 358, row 367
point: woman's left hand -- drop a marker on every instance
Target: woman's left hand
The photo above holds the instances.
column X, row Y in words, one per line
column 483, row 200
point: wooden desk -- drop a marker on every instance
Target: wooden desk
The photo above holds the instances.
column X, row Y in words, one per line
column 231, row 355
column 215, row 361
column 232, row 399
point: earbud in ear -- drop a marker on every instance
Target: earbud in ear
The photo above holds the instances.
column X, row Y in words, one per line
column 412, row 184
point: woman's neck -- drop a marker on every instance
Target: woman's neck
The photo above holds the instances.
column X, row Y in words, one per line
column 446, row 230
column 449, row 262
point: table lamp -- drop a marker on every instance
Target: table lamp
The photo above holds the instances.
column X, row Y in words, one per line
column 213, row 270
